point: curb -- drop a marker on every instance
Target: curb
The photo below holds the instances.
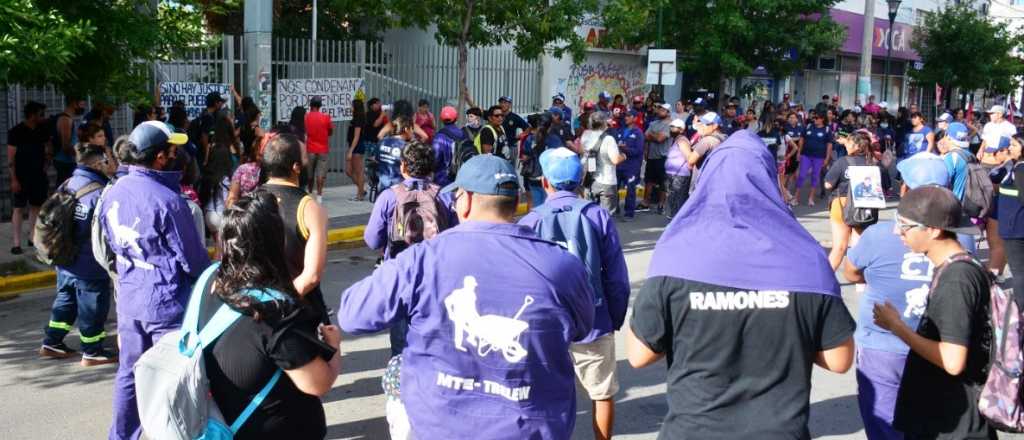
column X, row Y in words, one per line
column 337, row 239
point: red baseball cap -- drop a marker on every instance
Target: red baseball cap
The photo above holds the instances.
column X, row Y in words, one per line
column 448, row 113
column 638, row 98
column 587, row 105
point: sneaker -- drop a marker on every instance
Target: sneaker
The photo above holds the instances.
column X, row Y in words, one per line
column 642, row 208
column 99, row 357
column 30, row 243
column 56, row 351
column 660, row 210
column 319, row 199
column 16, row 250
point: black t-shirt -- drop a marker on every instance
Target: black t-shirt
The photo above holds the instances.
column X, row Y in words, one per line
column 930, row 401
column 739, row 361
column 487, row 137
column 244, row 358
column 837, row 174
column 30, row 152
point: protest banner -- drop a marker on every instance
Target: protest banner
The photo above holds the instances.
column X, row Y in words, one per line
column 336, row 93
column 193, row 94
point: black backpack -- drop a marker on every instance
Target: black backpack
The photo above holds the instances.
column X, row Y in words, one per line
column 464, row 151
column 978, row 190
column 54, row 232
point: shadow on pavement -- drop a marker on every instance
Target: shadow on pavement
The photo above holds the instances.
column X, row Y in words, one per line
column 372, row 429
column 835, row 416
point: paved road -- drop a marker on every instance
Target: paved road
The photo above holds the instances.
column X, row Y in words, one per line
column 49, row 399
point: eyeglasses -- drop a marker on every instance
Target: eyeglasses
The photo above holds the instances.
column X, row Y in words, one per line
column 902, row 225
column 498, row 115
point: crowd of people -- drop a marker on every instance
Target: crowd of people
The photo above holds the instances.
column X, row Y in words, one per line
column 491, row 343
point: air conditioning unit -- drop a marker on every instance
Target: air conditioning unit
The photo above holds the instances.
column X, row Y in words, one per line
column 826, row 63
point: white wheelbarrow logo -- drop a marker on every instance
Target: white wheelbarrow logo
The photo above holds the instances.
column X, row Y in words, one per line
column 489, row 333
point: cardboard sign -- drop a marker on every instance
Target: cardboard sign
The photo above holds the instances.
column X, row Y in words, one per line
column 193, row 94
column 335, row 93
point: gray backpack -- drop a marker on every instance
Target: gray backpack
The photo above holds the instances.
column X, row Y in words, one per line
column 171, row 386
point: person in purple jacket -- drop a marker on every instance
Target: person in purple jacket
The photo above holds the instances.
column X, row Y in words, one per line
column 492, row 311
column 594, row 356
column 742, row 314
column 445, row 141
column 159, row 256
column 83, row 287
column 631, row 143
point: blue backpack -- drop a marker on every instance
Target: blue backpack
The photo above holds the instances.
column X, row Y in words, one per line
column 567, row 227
column 170, row 378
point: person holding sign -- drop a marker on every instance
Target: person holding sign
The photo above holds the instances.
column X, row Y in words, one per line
column 858, row 154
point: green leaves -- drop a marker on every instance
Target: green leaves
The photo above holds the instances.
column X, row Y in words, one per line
column 961, row 48
column 717, row 39
column 36, row 43
column 97, row 47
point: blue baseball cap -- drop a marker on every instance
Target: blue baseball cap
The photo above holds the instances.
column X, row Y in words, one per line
column 152, row 134
column 505, row 98
column 923, row 169
column 958, row 132
column 604, row 95
column 945, row 117
column 710, row 118
column 698, row 101
column 1004, row 143
column 557, row 111
column 486, row 174
column 561, row 165
column 558, row 97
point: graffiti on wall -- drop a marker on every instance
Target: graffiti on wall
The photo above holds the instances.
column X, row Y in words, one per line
column 587, row 80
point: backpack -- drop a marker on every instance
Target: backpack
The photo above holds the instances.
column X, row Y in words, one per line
column 171, row 385
column 590, row 155
column 978, row 191
column 1001, row 401
column 853, row 216
column 419, row 215
column 462, row 152
column 54, row 231
column 567, row 227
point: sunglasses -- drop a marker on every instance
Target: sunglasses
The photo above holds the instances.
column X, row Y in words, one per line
column 903, row 225
column 498, row 115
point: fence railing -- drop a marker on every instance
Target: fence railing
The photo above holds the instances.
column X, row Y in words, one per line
column 411, row 71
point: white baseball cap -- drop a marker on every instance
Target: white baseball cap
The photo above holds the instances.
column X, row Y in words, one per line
column 997, row 109
column 883, row 104
column 677, row 123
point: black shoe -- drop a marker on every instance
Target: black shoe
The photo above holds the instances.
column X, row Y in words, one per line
column 30, row 243
column 98, row 357
column 643, row 208
column 16, row 250
column 56, row 351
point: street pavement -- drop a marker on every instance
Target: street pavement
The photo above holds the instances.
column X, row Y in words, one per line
column 51, row 399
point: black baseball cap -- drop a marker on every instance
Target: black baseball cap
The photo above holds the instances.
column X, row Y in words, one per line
column 316, row 102
column 936, row 207
column 213, row 98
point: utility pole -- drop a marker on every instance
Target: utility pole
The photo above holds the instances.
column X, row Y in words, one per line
column 864, row 78
column 660, row 88
column 312, row 66
column 259, row 23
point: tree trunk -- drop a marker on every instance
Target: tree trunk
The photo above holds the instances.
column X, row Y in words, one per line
column 463, row 48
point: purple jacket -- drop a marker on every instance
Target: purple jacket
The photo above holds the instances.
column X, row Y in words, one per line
column 159, row 252
column 85, row 266
column 492, row 310
column 444, row 149
column 608, row 316
column 376, row 233
column 634, row 150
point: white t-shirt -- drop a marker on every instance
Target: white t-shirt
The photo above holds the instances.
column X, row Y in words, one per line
column 993, row 131
column 604, row 169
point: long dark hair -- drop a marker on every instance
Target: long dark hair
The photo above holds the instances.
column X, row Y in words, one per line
column 251, row 233
column 358, row 113
column 298, row 121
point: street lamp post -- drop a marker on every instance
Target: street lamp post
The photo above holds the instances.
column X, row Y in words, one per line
column 894, row 8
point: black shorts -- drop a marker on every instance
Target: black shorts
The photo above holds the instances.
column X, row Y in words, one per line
column 33, row 192
column 792, row 165
column 654, row 172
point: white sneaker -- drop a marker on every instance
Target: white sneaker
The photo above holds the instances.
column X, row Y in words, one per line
column 319, row 199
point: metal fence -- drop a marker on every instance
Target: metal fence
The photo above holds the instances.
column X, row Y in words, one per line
column 410, row 70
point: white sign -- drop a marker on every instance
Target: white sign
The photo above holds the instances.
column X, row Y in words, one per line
column 867, row 186
column 193, row 94
column 336, row 93
column 661, row 67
